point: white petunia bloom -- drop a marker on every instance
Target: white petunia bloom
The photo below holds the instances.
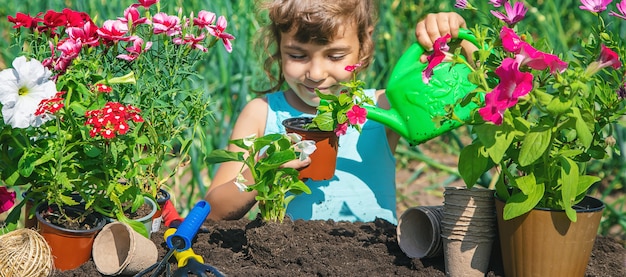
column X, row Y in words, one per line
column 295, row 138
column 21, row 90
column 241, row 183
column 306, row 147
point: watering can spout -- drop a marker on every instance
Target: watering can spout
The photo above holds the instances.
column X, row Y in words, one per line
column 389, row 118
column 418, row 110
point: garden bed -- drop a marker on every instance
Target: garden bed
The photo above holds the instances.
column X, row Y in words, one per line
column 327, row 248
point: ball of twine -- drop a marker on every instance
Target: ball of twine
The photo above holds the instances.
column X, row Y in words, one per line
column 24, row 252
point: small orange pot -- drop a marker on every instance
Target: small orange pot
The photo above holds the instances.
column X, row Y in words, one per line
column 324, row 159
column 70, row 248
column 544, row 242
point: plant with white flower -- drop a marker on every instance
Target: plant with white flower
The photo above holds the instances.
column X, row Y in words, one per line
column 265, row 157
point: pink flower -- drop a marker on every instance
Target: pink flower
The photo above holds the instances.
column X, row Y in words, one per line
column 218, row 32
column 192, row 41
column 594, row 5
column 7, row 199
column 511, row 42
column 113, row 30
column 132, row 14
column 538, row 60
column 607, row 58
column 514, row 13
column 136, row 49
column 87, row 34
column 356, row 115
column 204, row 19
column 439, row 55
column 164, row 23
column 513, row 84
column 341, row 129
column 352, row 68
column 621, row 7
column 497, row 3
column 461, row 4
column 146, row 3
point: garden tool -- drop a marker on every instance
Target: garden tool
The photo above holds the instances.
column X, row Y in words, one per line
column 182, row 238
column 415, row 105
column 190, row 262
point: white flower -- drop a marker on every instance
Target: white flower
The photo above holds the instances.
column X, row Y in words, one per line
column 306, row 147
column 249, row 140
column 295, row 138
column 241, row 183
column 21, row 90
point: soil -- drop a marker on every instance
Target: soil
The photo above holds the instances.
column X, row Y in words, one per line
column 328, row 248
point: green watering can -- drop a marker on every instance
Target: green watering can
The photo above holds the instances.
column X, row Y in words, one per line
column 414, row 104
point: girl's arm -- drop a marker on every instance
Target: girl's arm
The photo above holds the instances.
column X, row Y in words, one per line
column 226, row 200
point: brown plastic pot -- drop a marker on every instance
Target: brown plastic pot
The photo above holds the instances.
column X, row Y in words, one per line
column 70, row 248
column 324, row 159
column 545, row 242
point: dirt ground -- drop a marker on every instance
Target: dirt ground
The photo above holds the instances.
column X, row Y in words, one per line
column 327, row 248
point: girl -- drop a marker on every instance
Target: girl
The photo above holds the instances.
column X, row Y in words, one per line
column 314, row 40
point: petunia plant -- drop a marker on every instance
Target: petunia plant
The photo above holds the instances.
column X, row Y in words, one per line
column 544, row 115
column 338, row 112
column 92, row 110
column 265, row 156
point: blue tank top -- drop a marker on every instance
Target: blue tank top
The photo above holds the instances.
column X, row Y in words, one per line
column 363, row 187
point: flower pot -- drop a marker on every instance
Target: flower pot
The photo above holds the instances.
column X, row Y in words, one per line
column 544, row 242
column 120, row 250
column 468, row 229
column 324, row 159
column 147, row 219
column 419, row 232
column 161, row 197
column 70, row 248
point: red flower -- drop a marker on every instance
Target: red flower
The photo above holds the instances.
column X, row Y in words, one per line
column 7, row 199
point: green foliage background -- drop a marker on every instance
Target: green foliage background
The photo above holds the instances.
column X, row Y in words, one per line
column 231, row 78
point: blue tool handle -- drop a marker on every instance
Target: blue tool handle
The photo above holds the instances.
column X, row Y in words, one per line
column 181, row 240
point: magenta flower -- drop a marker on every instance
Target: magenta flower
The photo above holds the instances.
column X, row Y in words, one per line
column 438, row 56
column 513, row 85
column 341, row 129
column 356, row 115
column 146, row 3
column 535, row 59
column 607, row 58
column 461, row 4
column 621, row 7
column 595, row 6
column 218, row 32
column 113, row 30
column 164, row 23
column 511, row 42
column 87, row 34
column 352, row 68
column 513, row 14
column 497, row 3
column 7, row 199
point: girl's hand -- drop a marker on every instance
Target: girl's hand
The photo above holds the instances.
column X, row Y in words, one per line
column 436, row 25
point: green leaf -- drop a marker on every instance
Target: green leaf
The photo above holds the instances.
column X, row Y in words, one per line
column 520, row 203
column 474, row 164
column 221, row 155
column 299, row 188
column 324, row 122
column 136, row 225
column 496, row 139
column 534, row 145
column 569, row 186
column 584, row 134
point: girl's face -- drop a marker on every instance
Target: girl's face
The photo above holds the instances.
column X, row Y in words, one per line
column 307, row 66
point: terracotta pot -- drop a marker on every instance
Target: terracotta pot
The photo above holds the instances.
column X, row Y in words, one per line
column 544, row 242
column 70, row 248
column 324, row 159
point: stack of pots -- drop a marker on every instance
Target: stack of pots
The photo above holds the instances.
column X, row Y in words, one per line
column 468, row 230
column 419, row 232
